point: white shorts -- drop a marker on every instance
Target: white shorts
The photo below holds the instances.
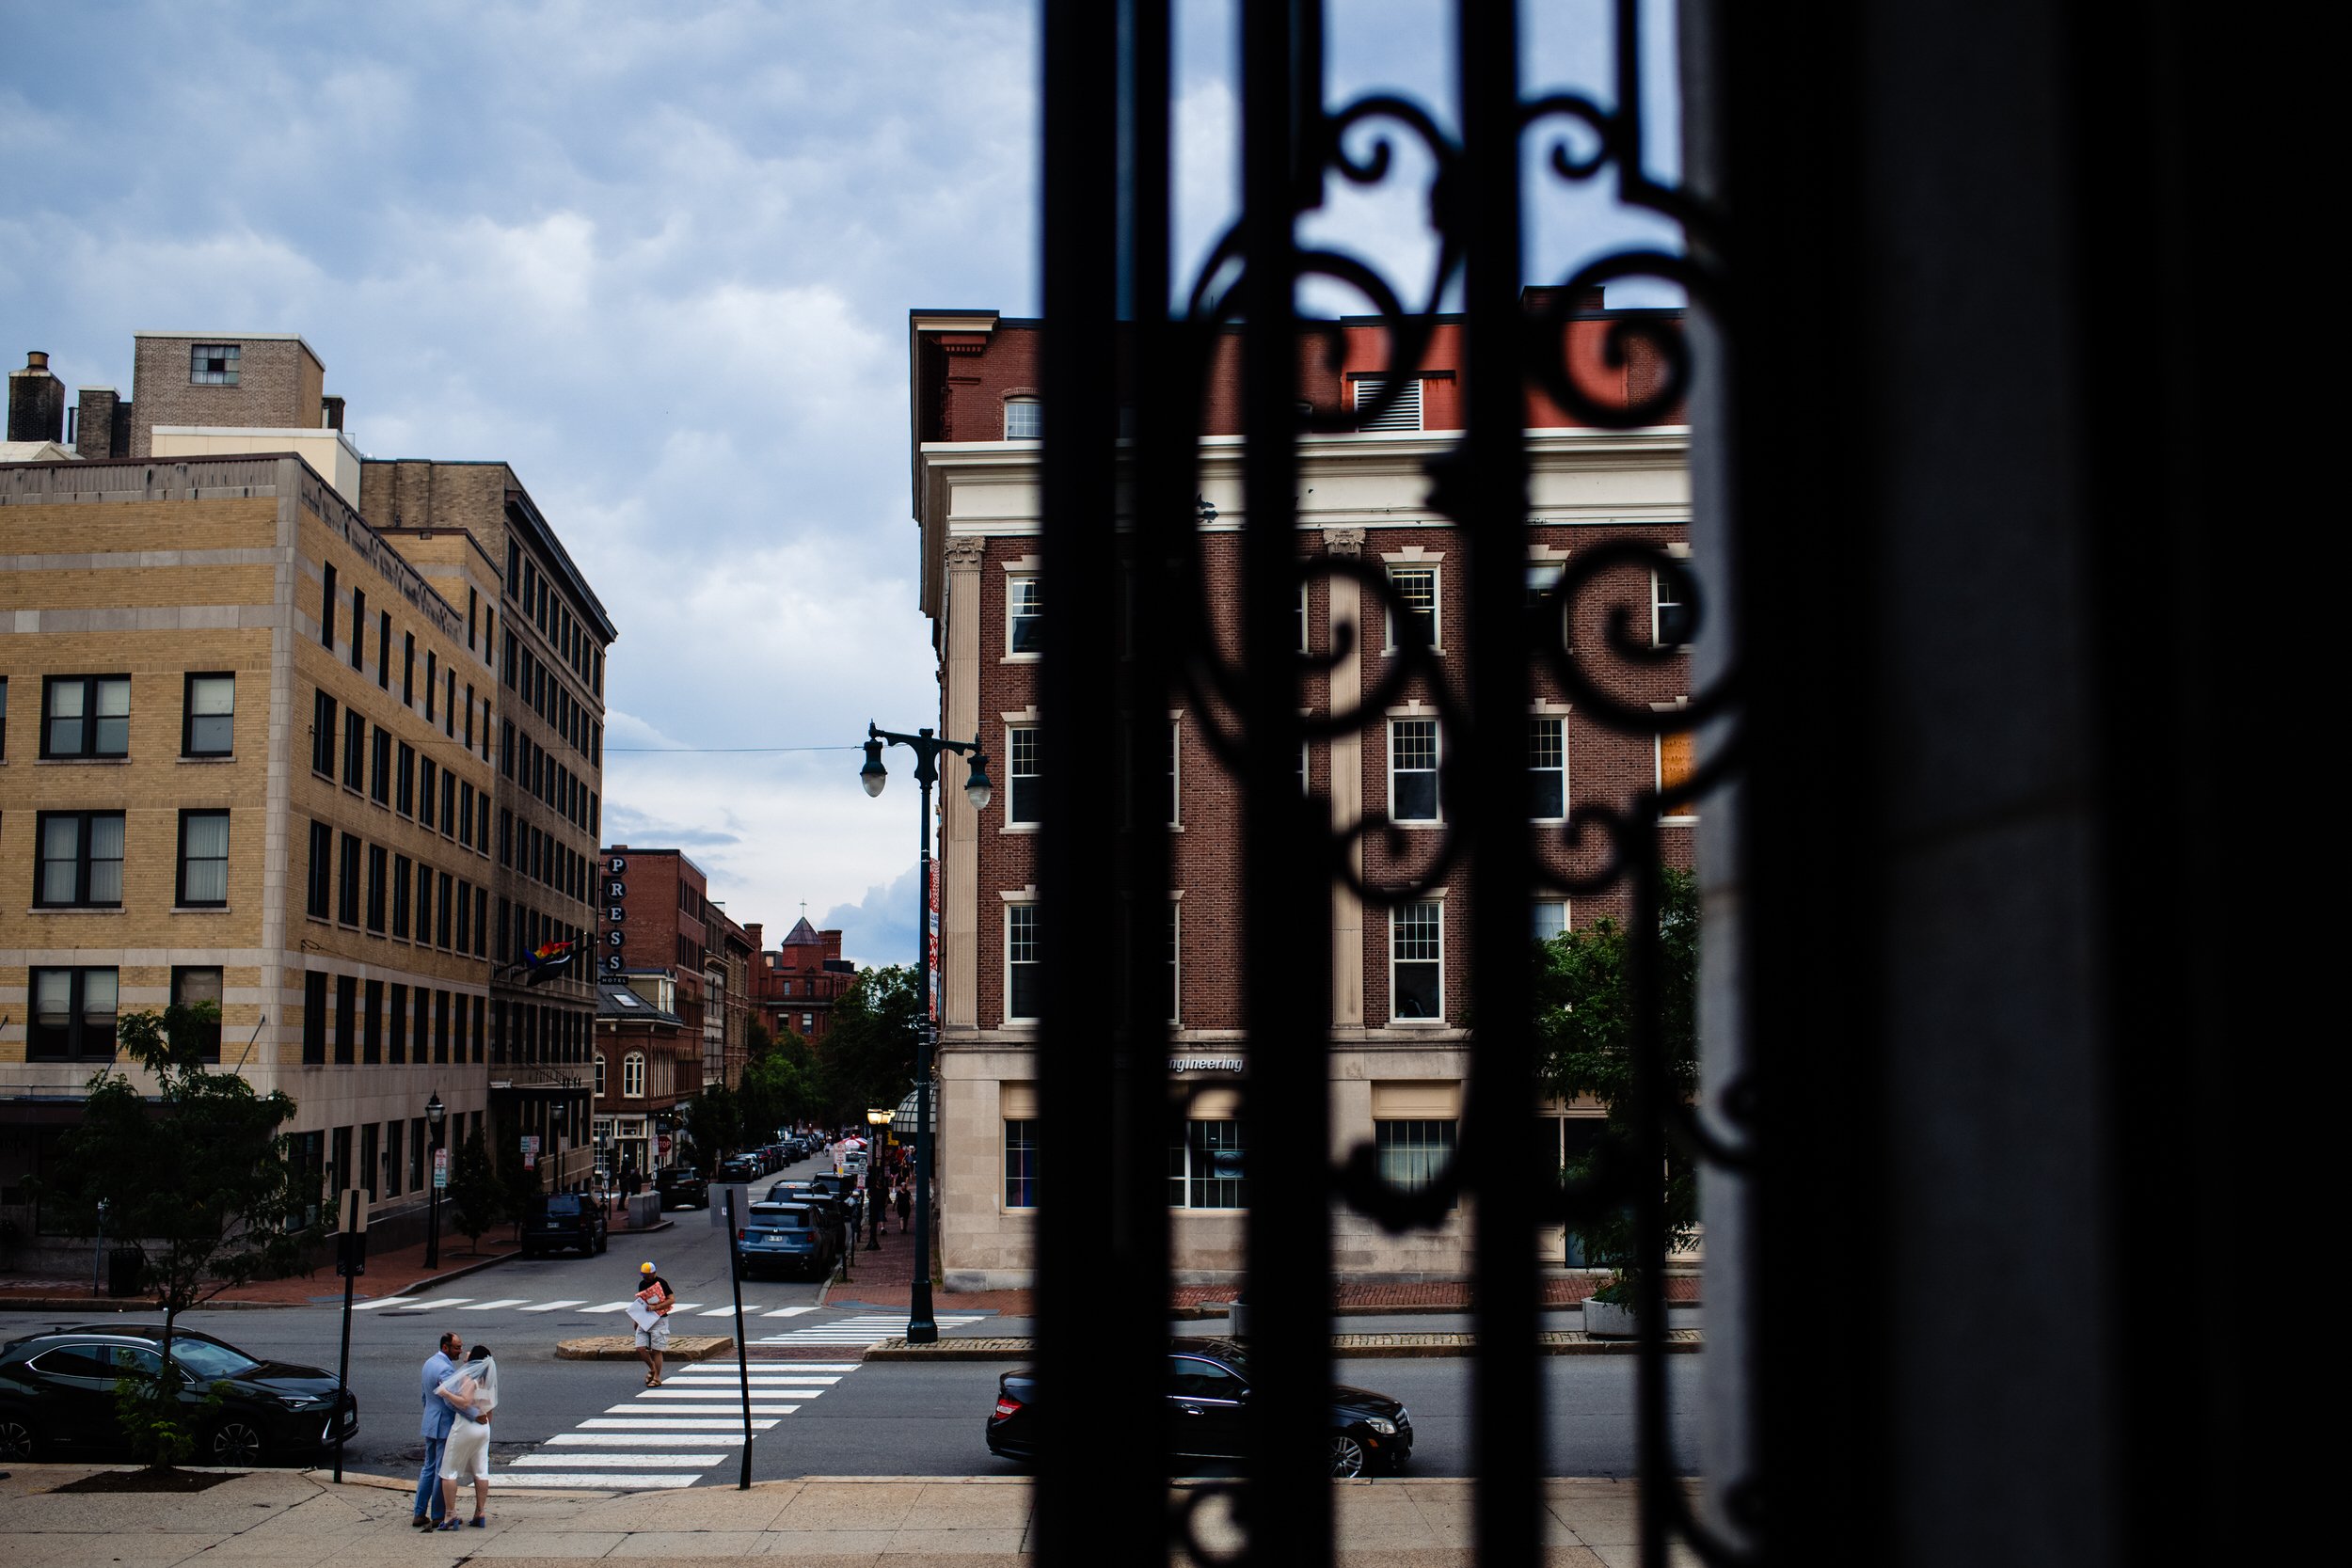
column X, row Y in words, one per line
column 658, row 1337
column 467, row 1455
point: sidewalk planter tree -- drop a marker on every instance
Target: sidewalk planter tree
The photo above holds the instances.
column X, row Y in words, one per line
column 198, row 1183
column 476, row 1197
column 1584, row 1024
column 714, row 1123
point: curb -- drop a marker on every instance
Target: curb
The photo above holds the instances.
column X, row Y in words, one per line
column 622, row 1347
column 1683, row 1342
column 1220, row 1309
column 93, row 1306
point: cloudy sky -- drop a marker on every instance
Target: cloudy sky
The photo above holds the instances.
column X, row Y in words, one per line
column 660, row 259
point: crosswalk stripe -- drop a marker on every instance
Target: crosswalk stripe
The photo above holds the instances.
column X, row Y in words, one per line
column 665, row 1423
column 677, row 1306
column 380, row 1301
column 494, row 1305
column 614, row 1461
column 610, row 1306
column 610, row 1482
column 701, row 1388
column 438, row 1301
column 728, row 1312
column 758, row 1408
column 555, row 1305
column 695, row 1440
column 787, row 1311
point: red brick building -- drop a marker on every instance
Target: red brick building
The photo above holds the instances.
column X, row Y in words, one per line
column 796, row 984
column 1399, row 975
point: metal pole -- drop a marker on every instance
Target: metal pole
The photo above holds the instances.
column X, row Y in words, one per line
column 922, row 1328
column 343, row 1362
column 98, row 1259
column 432, row 1205
column 743, row 1355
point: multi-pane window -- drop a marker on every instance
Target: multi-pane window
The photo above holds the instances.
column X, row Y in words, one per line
column 320, row 900
column 599, row 1075
column 377, row 862
column 431, row 679
column 213, row 364
column 314, row 1017
column 1413, row 770
column 191, row 986
column 404, row 780
column 408, row 668
column 354, row 750
column 322, row 734
column 399, row 1009
column 73, row 1014
column 428, row 782
column 203, row 859
column 86, row 716
column 1413, row 606
column 208, row 725
column 81, row 860
column 633, row 1076
column 1025, row 792
column 1413, row 1153
column 1548, row 918
column 1173, row 763
column 346, row 1021
column 1019, row 1163
column 359, row 629
column 1669, row 617
column 380, row 768
column 1020, row 963
column 1416, row 962
column 393, row 1162
column 1402, row 414
column 1175, row 957
column 400, row 896
column 1205, row 1170
column 326, row 607
column 1024, row 610
column 384, row 650
column 1547, row 770
column 347, row 903
column 1025, row 420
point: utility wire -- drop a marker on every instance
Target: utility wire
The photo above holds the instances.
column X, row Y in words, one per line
column 717, row 750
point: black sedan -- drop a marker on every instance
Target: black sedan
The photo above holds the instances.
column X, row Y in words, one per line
column 682, row 1187
column 56, row 1395
column 1208, row 1392
column 564, row 1220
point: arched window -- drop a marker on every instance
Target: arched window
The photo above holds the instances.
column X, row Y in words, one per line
column 599, row 1075
column 633, row 1075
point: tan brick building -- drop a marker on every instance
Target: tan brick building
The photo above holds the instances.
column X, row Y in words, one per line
column 247, row 758
column 551, row 634
column 1398, row 1052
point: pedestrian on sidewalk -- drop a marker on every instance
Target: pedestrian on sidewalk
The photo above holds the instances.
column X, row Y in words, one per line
column 435, row 1431
column 470, row 1391
column 651, row 1313
column 906, row 1209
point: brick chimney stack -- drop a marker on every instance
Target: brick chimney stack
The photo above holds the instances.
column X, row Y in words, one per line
column 36, row 402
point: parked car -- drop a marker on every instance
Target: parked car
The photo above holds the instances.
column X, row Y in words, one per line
column 563, row 1220
column 739, row 1167
column 787, row 1238
column 844, row 1190
column 56, row 1395
column 1208, row 1383
column 682, row 1187
column 831, row 1208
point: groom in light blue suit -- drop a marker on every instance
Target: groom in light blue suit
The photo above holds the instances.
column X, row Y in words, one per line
column 439, row 1417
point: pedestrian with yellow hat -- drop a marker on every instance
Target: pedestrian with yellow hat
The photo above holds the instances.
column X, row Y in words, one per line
column 649, row 1309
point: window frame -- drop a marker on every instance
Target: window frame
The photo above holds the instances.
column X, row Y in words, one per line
column 180, row 898
column 1559, row 724
column 1396, row 935
column 188, row 715
column 633, row 1073
column 219, row 366
column 1025, row 586
column 1397, row 1163
column 1435, row 570
column 1015, row 794
column 1193, row 1184
column 85, row 862
column 1034, row 418
column 1019, row 1163
column 180, row 974
column 1436, row 770
column 90, row 718
column 74, row 1048
column 1017, row 913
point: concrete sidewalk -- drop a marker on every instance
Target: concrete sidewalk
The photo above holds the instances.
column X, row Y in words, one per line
column 292, row 1519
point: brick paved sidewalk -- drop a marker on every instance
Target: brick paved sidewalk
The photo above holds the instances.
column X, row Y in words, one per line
column 388, row 1274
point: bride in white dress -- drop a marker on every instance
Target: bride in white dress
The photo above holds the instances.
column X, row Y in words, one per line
column 472, row 1390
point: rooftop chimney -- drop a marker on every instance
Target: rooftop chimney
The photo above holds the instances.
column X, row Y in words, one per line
column 36, row 402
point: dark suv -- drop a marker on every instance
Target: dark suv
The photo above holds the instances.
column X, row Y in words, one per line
column 56, row 1395
column 563, row 1220
column 682, row 1187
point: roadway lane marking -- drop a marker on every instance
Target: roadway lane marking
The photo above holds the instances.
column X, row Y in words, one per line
column 610, row 1306
column 559, row 1306
column 494, row 1305
column 381, row 1301
column 657, row 1424
column 606, row 1483
column 736, row 1410
column 787, row 1311
column 763, row 1369
column 615, row 1460
column 438, row 1301
column 728, row 1312
column 695, row 1440
column 697, row 1388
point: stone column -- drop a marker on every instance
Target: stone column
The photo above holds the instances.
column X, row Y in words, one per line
column 1347, row 785
column 959, row 844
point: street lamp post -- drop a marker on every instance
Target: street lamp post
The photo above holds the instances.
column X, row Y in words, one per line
column 922, row 1328
column 435, row 1113
column 98, row 1262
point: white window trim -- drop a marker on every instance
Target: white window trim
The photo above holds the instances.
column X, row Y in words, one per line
column 1176, row 982
column 1567, row 909
column 1413, row 558
column 634, row 1066
column 1026, row 566
column 1566, row 805
column 1029, row 398
column 1026, row 898
column 1437, row 897
column 1024, row 721
column 1428, row 715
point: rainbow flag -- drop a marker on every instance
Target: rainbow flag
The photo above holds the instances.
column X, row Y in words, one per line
column 546, row 960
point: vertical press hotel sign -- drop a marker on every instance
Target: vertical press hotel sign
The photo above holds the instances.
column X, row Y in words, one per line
column 615, row 891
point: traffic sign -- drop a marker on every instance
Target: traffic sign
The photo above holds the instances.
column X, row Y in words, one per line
column 440, row 1170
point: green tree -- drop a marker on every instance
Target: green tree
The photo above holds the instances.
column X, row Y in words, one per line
column 196, row 1180
column 779, row 1086
column 1585, row 1019
column 869, row 1057
column 714, row 1121
column 519, row 1185
column 476, row 1197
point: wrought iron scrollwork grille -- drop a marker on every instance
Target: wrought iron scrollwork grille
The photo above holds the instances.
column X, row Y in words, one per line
column 1107, row 1110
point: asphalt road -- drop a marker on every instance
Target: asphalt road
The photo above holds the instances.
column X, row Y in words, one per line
column 833, row 1417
